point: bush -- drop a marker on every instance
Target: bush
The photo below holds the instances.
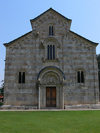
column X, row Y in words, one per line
column 1, row 103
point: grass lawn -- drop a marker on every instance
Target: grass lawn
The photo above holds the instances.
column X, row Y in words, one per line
column 50, row 122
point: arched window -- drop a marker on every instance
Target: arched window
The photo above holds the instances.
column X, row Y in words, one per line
column 51, row 52
column 80, row 76
column 51, row 31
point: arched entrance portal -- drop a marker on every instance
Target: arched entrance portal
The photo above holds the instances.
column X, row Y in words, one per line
column 50, row 88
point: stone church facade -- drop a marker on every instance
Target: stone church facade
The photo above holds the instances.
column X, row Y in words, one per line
column 51, row 66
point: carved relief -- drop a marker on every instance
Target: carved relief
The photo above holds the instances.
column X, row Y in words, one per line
column 50, row 79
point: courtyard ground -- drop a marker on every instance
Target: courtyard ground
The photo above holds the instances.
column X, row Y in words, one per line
column 50, row 121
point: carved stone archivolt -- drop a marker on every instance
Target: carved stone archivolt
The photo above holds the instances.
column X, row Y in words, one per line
column 50, row 78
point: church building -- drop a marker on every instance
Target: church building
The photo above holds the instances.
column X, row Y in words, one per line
column 51, row 66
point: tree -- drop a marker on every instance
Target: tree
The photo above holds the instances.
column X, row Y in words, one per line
column 2, row 91
column 98, row 59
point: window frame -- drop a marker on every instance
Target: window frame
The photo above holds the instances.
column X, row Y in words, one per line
column 51, row 30
column 79, row 77
column 21, row 77
column 51, row 52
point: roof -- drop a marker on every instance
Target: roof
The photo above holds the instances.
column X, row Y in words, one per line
column 6, row 44
column 84, row 38
column 50, row 9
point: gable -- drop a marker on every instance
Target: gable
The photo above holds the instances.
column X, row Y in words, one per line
column 52, row 11
column 81, row 39
column 52, row 16
column 26, row 37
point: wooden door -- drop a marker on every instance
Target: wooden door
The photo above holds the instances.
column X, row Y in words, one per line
column 51, row 96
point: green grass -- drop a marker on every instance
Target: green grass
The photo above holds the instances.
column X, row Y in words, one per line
column 50, row 122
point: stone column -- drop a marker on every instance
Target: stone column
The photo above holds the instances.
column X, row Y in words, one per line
column 63, row 97
column 39, row 98
column 63, row 85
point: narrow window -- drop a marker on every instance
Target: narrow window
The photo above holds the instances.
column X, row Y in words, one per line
column 50, row 52
column 80, row 76
column 53, row 51
column 21, row 77
column 52, row 30
column 51, row 33
column 49, row 30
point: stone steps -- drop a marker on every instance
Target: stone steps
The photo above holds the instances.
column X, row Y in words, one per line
column 67, row 107
column 8, row 107
column 83, row 106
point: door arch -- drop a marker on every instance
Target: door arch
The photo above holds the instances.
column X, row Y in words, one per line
column 50, row 78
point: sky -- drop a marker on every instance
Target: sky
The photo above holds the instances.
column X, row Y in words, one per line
column 15, row 18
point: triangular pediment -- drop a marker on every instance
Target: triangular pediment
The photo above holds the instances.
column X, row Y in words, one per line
column 48, row 15
column 52, row 11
